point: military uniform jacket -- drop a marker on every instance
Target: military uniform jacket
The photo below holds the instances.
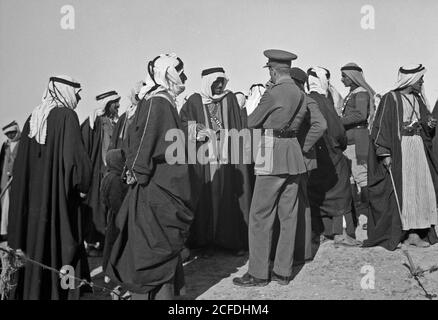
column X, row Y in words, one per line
column 276, row 108
column 355, row 121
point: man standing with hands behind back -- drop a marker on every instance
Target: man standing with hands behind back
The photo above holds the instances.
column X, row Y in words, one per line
column 280, row 180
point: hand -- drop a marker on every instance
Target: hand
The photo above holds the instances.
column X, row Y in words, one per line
column 431, row 122
column 387, row 161
column 202, row 134
column 130, row 178
column 83, row 195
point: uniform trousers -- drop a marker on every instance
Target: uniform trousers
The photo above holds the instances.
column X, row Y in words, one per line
column 273, row 196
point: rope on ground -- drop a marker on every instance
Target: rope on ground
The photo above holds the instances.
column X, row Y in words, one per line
column 418, row 272
column 17, row 259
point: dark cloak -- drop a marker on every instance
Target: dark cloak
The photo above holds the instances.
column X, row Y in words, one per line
column 44, row 216
column 155, row 217
column 113, row 191
column 384, row 224
column 329, row 185
column 230, row 230
column 92, row 206
column 116, row 139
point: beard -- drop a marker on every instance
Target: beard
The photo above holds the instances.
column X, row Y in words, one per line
column 177, row 89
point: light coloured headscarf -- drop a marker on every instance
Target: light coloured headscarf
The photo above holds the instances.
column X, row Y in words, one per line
column 102, row 100
column 12, row 127
column 241, row 99
column 409, row 75
column 130, row 111
column 60, row 93
column 318, row 80
column 208, row 77
column 164, row 74
column 255, row 94
column 355, row 73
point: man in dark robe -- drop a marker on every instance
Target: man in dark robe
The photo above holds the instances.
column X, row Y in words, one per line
column 224, row 188
column 7, row 156
column 405, row 208
column 329, row 189
column 120, row 133
column 155, row 217
column 51, row 170
column 96, row 134
column 241, row 101
column 113, row 191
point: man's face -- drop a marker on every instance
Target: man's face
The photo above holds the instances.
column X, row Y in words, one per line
column 133, row 97
column 113, row 109
column 346, row 80
column 217, row 87
column 416, row 87
column 11, row 135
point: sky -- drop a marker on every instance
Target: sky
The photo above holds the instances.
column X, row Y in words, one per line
column 113, row 40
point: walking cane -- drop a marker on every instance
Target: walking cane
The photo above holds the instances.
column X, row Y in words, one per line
column 6, row 188
column 396, row 196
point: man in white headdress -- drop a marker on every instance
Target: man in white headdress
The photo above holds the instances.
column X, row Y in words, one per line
column 241, row 101
column 225, row 188
column 7, row 156
column 329, row 189
column 255, row 94
column 357, row 115
column 154, row 220
column 121, row 128
column 403, row 170
column 50, row 172
column 97, row 131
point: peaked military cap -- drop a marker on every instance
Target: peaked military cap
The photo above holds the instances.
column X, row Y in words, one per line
column 279, row 58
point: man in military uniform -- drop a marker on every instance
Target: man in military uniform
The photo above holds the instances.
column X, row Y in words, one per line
column 357, row 117
column 279, row 182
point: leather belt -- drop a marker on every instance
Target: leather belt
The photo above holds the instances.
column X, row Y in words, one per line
column 285, row 134
column 410, row 131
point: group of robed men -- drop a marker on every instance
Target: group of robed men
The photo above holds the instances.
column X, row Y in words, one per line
column 109, row 182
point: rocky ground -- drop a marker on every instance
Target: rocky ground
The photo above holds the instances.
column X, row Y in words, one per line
column 335, row 273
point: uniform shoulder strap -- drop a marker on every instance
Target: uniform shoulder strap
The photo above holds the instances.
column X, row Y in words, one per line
column 300, row 104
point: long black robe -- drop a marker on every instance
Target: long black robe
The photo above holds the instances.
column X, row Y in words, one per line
column 230, row 230
column 384, row 224
column 92, row 206
column 329, row 185
column 155, row 217
column 113, row 191
column 44, row 216
column 116, row 140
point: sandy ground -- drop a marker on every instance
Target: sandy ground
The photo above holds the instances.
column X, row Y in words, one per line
column 335, row 273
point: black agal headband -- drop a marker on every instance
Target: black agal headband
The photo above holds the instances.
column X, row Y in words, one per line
column 66, row 82
column 352, row 68
column 106, row 95
column 406, row 71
